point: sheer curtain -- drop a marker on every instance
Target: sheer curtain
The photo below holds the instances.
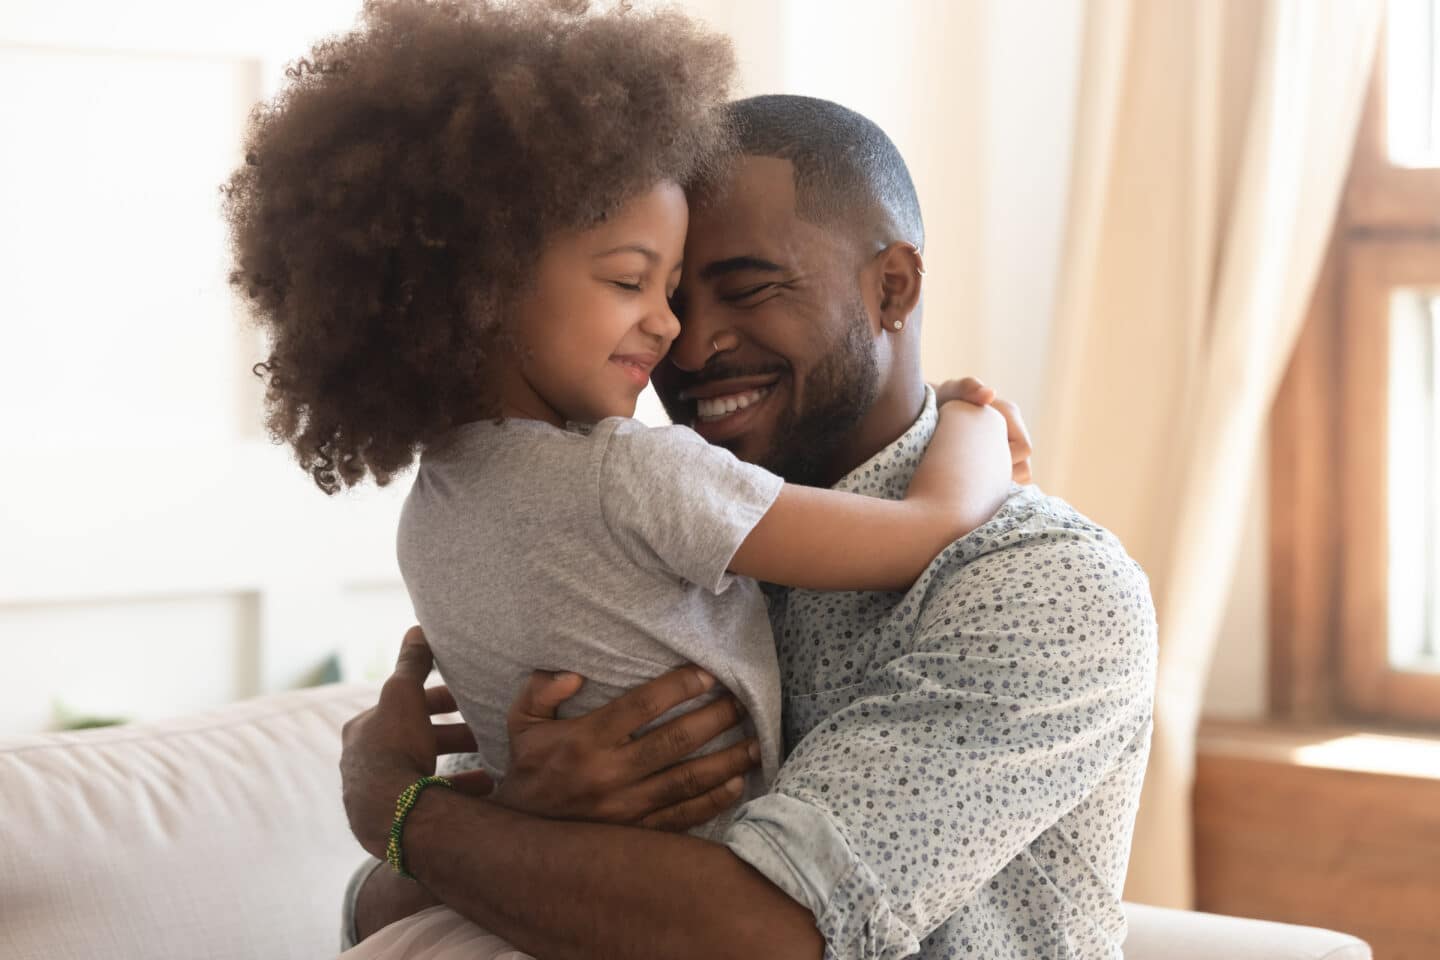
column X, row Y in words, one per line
column 1212, row 142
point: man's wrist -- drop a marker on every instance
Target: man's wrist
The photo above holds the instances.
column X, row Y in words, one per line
column 408, row 799
column 430, row 826
column 372, row 811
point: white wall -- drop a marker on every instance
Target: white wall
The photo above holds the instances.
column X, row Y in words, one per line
column 156, row 553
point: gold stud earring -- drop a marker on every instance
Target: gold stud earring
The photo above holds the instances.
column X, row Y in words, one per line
column 899, row 325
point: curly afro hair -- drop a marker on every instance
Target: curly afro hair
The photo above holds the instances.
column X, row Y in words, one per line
column 397, row 191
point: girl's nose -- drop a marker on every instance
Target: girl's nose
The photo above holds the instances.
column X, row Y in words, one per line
column 662, row 322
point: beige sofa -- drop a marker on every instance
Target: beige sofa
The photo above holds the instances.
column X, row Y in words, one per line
column 221, row 835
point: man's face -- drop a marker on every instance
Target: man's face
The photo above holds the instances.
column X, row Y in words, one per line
column 795, row 368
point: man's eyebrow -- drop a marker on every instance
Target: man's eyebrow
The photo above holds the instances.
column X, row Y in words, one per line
column 639, row 248
column 720, row 268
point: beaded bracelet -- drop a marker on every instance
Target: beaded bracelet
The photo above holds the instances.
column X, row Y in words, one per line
column 403, row 805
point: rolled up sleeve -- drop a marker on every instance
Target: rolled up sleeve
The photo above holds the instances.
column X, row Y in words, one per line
column 802, row 851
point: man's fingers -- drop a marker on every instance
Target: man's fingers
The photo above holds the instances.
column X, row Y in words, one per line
column 695, row 778
column 454, row 738
column 692, row 813
column 541, row 697
column 415, row 659
column 621, row 717
column 672, row 742
column 473, row 783
column 439, row 699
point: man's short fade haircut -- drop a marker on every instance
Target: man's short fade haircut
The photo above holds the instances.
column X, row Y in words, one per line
column 847, row 171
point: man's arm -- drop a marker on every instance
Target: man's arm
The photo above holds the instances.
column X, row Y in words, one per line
column 564, row 890
column 557, row 889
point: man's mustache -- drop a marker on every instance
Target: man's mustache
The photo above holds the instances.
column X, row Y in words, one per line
column 677, row 380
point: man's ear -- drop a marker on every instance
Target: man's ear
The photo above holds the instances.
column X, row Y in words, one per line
column 897, row 272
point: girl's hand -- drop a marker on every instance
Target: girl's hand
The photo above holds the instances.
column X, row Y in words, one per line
column 973, row 391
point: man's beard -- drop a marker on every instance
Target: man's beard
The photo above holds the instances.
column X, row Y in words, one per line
column 839, row 391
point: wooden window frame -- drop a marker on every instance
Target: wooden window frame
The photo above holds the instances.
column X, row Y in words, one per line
column 1329, row 658
column 1379, row 195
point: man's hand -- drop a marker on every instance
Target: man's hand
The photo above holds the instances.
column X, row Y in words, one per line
column 394, row 743
column 594, row 768
column 565, row 890
column 973, row 391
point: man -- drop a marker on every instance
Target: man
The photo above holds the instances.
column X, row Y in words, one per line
column 964, row 759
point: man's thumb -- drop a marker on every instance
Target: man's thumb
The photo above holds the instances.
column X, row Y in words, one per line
column 541, row 697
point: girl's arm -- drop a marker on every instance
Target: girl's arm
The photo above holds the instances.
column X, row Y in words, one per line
column 826, row 540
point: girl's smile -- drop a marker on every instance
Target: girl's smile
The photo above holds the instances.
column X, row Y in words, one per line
column 637, row 366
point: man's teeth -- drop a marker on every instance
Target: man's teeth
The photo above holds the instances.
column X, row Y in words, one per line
column 716, row 407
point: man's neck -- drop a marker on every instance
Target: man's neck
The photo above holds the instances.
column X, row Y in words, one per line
column 889, row 417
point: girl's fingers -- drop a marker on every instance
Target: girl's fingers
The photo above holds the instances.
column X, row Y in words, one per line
column 968, row 389
column 1015, row 424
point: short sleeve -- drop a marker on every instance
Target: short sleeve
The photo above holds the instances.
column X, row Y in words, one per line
column 674, row 501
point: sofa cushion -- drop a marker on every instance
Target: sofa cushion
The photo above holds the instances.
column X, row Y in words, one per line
column 217, row 835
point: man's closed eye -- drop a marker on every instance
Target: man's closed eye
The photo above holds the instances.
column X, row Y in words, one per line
column 749, row 296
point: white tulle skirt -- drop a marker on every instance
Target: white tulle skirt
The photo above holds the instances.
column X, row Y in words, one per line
column 437, row 933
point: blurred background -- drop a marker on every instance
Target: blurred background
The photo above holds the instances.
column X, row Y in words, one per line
column 1198, row 241
column 156, row 552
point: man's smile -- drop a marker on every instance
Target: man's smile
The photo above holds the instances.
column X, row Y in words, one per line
column 725, row 407
column 716, row 408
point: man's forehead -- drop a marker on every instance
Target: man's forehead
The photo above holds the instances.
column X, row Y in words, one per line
column 752, row 214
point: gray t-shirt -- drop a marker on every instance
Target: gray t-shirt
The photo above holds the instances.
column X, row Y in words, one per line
column 603, row 552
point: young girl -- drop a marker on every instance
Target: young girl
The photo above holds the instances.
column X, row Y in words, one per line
column 461, row 226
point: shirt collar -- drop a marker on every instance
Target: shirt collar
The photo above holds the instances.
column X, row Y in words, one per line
column 887, row 474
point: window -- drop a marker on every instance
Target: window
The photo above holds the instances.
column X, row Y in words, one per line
column 1356, row 432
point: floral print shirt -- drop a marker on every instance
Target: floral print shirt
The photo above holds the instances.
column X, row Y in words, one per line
column 964, row 759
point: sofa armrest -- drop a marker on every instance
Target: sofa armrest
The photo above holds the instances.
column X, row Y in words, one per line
column 1160, row 934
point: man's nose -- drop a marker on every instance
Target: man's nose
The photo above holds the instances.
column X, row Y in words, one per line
column 696, row 343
